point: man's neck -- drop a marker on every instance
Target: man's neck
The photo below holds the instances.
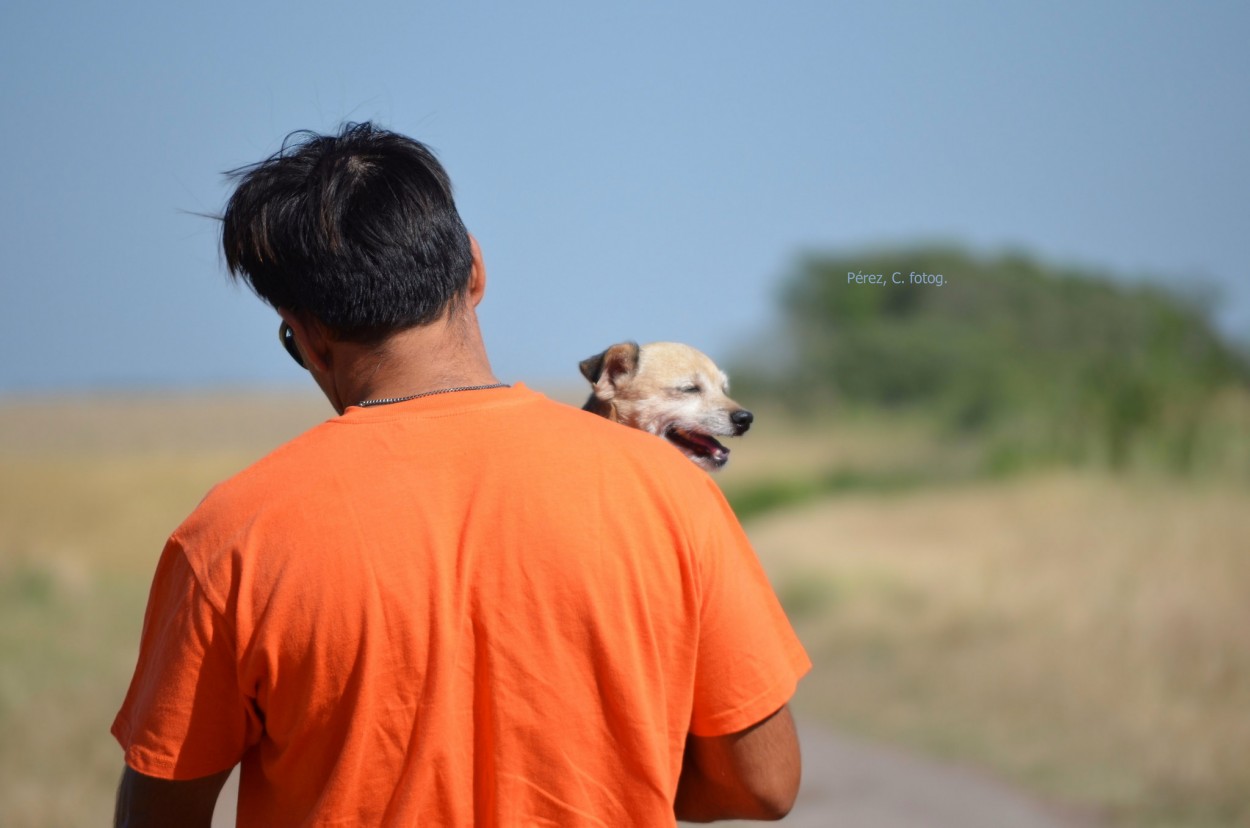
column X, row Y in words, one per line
column 448, row 353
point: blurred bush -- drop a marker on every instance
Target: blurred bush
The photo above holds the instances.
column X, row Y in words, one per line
column 1042, row 363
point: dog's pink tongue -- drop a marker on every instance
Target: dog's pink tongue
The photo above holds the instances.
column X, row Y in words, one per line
column 709, row 444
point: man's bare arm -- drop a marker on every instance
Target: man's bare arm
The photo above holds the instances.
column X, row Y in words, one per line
column 752, row 774
column 147, row 801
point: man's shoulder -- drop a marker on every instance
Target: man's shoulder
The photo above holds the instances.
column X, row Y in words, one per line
column 599, row 440
column 266, row 483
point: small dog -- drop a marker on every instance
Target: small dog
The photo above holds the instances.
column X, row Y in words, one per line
column 670, row 390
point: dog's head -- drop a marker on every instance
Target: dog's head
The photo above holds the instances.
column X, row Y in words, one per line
column 670, row 390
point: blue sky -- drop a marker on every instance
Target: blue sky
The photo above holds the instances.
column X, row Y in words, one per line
column 643, row 170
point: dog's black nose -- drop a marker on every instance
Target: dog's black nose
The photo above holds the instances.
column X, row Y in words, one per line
column 742, row 420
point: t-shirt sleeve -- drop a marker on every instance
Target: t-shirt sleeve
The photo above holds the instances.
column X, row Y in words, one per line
column 749, row 659
column 184, row 716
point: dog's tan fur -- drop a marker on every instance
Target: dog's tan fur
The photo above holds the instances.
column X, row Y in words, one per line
column 670, row 390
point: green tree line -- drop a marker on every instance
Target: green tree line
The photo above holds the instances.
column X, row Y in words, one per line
column 1042, row 361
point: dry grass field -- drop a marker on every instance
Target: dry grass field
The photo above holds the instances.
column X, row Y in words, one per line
column 1086, row 636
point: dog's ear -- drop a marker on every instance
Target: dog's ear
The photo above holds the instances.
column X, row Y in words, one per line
column 592, row 367
column 619, row 360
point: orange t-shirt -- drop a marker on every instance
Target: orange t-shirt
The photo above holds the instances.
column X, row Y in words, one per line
column 477, row 608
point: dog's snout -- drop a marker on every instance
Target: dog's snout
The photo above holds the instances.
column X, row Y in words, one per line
column 742, row 420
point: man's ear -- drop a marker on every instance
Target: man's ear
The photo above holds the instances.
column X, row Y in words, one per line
column 605, row 369
column 477, row 275
column 311, row 338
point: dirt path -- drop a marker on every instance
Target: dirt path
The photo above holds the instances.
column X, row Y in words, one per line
column 852, row 784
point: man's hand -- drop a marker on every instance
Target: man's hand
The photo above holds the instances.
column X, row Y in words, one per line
column 752, row 774
column 145, row 800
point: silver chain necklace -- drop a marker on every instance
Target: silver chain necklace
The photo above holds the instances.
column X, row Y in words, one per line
column 389, row 400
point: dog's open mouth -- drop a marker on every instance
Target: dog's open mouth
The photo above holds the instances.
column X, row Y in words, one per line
column 698, row 446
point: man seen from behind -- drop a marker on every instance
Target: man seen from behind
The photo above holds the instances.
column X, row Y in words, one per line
column 456, row 603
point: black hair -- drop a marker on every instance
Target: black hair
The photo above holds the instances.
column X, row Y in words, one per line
column 358, row 230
